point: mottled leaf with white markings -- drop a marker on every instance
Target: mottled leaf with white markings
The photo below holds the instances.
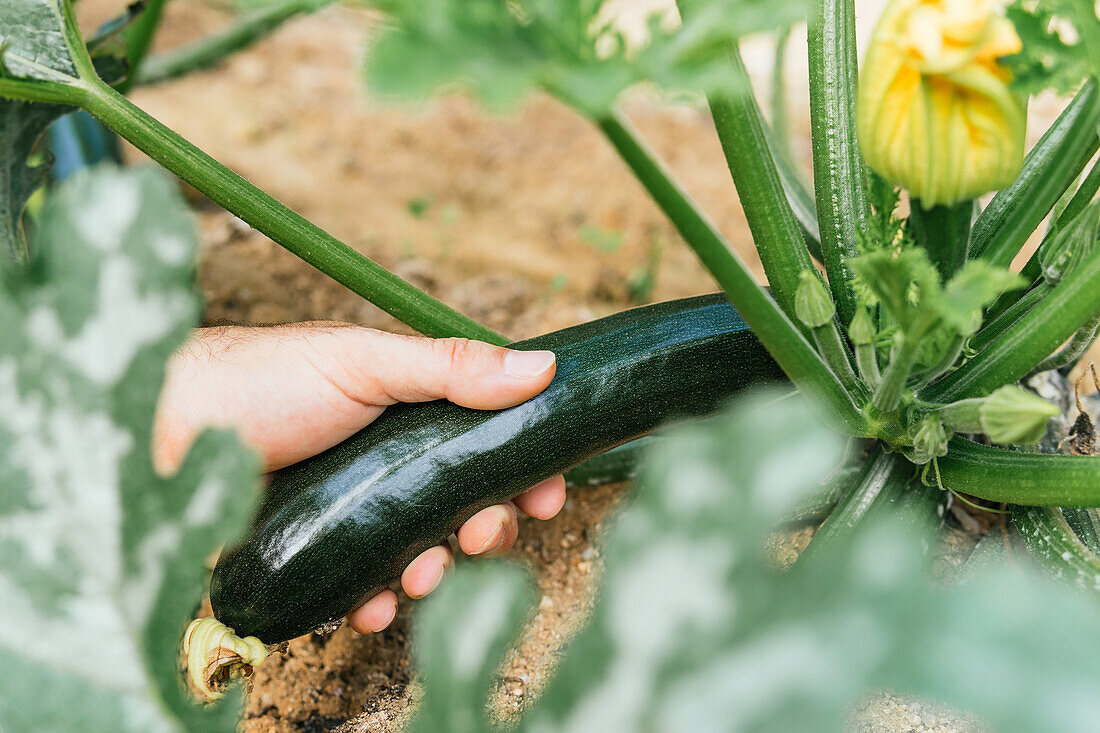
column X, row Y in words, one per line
column 101, row 559
column 32, row 41
column 695, row 630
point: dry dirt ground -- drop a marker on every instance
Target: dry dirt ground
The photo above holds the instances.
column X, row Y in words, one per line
column 509, row 218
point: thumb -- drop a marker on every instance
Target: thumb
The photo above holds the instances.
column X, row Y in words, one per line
column 469, row 373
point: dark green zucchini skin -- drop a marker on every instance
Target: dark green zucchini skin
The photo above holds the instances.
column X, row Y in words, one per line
column 338, row 527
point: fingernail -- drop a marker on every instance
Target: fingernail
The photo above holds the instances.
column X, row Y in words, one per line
column 495, row 540
column 526, row 364
column 393, row 615
column 438, row 580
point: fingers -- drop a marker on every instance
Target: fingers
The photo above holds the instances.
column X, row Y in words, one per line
column 543, row 500
column 421, row 577
column 425, row 572
column 376, row 614
column 490, row 531
column 470, row 373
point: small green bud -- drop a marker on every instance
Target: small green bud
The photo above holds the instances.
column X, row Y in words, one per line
column 812, row 303
column 1069, row 245
column 1011, row 416
column 929, row 440
column 1014, row 416
column 861, row 329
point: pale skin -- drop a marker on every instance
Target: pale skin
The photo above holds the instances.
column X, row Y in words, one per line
column 293, row 391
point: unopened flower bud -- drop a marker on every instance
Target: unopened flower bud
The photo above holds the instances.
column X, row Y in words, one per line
column 861, row 330
column 1010, row 416
column 812, row 303
column 929, row 440
column 935, row 112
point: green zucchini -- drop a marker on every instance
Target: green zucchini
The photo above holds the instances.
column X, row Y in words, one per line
column 338, row 527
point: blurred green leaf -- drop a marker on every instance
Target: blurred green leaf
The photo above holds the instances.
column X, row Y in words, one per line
column 696, row 631
column 1061, row 44
column 604, row 240
column 101, row 559
column 584, row 51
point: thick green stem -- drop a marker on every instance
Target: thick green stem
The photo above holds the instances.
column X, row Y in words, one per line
column 1015, row 312
column 839, row 175
column 894, row 380
column 944, row 232
column 1049, row 537
column 800, row 199
column 1031, row 339
column 1049, row 169
column 208, row 51
column 1032, row 479
column 775, row 330
column 267, row 215
column 1085, row 523
column 867, row 363
column 835, row 353
column 887, row 484
column 1072, row 352
column 880, row 482
column 759, row 187
column 1033, row 270
column 48, row 92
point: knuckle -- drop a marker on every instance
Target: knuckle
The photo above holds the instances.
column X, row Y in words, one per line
column 457, row 353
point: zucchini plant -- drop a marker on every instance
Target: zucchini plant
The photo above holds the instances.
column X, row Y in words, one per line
column 910, row 334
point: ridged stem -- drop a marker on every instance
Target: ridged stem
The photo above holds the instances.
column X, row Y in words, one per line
column 1049, row 169
column 839, row 175
column 1031, row 339
column 775, row 230
column 836, row 354
column 993, row 330
column 1072, row 352
column 1030, row 479
column 780, row 336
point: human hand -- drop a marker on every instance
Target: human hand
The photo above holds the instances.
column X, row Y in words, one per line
column 294, row 391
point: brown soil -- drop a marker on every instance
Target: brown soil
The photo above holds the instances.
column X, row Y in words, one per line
column 490, row 213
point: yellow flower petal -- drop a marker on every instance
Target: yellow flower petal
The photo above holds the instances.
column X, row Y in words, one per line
column 935, row 114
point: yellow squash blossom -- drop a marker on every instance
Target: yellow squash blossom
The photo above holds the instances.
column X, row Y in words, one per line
column 935, row 112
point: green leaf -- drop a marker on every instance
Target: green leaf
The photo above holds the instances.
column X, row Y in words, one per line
column 582, row 51
column 22, row 124
column 1061, row 44
column 101, row 559
column 908, row 285
column 694, row 630
column 974, row 286
column 898, row 278
column 32, row 41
